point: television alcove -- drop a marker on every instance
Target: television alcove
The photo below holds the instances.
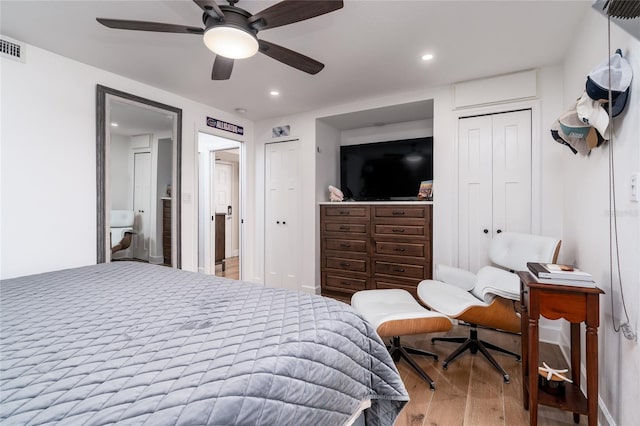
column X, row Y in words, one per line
column 390, row 170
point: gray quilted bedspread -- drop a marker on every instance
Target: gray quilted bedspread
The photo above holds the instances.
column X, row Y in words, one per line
column 141, row 344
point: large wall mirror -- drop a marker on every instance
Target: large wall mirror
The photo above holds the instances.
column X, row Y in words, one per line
column 138, row 146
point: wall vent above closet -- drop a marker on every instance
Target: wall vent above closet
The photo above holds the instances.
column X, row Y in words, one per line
column 12, row 49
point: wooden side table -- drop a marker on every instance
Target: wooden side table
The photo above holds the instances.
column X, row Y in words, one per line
column 576, row 305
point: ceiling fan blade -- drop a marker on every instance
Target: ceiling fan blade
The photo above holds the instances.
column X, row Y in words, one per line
column 149, row 26
column 290, row 11
column 211, row 7
column 291, row 58
column 222, row 68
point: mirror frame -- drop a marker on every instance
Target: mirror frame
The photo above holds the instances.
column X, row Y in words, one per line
column 101, row 167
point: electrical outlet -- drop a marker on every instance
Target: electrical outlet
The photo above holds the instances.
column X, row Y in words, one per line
column 635, row 191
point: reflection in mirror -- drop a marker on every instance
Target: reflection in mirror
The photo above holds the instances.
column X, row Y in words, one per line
column 138, row 179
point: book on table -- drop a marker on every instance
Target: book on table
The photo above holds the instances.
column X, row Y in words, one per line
column 562, row 281
column 558, row 271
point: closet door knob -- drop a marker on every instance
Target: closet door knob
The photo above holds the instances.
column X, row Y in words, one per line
column 284, row 223
column 486, row 231
column 278, row 222
column 499, row 231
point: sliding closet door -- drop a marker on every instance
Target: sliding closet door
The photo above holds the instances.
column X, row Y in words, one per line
column 494, row 166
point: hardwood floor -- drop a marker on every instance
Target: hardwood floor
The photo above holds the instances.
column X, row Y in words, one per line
column 231, row 268
column 471, row 391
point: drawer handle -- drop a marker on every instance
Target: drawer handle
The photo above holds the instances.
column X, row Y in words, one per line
column 344, row 212
column 398, row 249
column 345, row 228
column 398, row 230
column 345, row 245
column 345, row 283
column 398, row 213
column 345, row 264
column 398, row 269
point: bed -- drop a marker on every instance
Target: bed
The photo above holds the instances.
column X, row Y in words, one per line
column 132, row 343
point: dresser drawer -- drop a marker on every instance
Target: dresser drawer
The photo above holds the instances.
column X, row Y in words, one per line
column 400, row 249
column 400, row 230
column 402, row 283
column 353, row 228
column 359, row 246
column 342, row 283
column 399, row 211
column 360, row 212
column 398, row 269
column 354, row 265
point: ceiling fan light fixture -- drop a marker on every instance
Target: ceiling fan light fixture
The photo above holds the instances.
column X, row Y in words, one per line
column 231, row 42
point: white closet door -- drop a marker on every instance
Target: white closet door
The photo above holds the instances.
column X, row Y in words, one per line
column 475, row 191
column 290, row 215
column 494, row 166
column 282, row 201
column 512, row 172
column 141, row 204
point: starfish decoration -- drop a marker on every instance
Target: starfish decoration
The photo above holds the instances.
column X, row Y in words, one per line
column 551, row 372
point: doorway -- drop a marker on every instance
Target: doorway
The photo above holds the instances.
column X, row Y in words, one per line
column 220, row 206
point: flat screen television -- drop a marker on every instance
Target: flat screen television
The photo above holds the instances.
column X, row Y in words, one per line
column 389, row 170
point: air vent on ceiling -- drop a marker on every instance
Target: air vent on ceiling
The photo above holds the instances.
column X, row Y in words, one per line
column 12, row 49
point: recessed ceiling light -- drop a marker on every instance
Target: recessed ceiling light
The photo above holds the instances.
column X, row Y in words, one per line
column 427, row 57
column 241, row 110
column 114, row 124
column 274, row 93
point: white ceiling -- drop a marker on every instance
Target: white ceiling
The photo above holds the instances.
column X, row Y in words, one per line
column 370, row 48
column 137, row 120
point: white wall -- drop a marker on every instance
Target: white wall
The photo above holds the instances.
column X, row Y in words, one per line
column 120, row 176
column 389, row 132
column 586, row 218
column 48, row 174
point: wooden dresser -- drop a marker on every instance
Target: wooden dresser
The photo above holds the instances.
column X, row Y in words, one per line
column 376, row 245
column 166, row 230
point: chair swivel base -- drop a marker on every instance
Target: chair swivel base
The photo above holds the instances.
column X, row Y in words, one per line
column 398, row 351
column 473, row 344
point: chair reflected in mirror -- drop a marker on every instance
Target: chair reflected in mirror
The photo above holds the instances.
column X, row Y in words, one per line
column 121, row 227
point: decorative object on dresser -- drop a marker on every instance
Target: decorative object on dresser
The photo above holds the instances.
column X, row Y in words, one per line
column 374, row 246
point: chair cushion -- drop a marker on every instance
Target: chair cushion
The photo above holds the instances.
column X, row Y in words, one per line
column 447, row 299
column 121, row 218
column 512, row 250
column 456, row 276
column 380, row 306
column 492, row 282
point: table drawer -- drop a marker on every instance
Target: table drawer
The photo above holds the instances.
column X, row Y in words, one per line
column 400, row 249
column 401, row 230
column 355, row 265
column 346, row 245
column 353, row 228
column 398, row 269
column 399, row 211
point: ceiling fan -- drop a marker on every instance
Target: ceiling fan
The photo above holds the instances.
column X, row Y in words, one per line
column 231, row 32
